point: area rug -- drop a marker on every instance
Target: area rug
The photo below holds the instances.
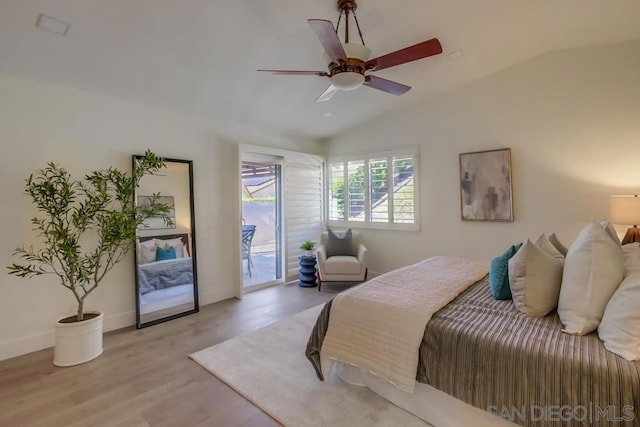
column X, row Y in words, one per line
column 269, row 368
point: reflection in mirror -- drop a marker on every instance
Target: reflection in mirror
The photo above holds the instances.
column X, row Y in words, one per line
column 166, row 279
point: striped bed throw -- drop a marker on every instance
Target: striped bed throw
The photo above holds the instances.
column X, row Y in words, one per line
column 486, row 353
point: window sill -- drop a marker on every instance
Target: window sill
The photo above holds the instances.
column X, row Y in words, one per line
column 373, row 225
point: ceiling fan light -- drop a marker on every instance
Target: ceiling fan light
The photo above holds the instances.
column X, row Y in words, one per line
column 347, row 80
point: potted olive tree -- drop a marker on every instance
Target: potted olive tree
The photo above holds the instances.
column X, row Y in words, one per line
column 85, row 226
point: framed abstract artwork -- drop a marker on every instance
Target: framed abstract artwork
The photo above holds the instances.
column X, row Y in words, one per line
column 485, row 186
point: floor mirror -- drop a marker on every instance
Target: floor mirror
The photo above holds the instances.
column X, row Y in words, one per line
column 165, row 254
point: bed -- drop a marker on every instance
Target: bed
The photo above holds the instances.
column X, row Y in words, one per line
column 168, row 283
column 482, row 362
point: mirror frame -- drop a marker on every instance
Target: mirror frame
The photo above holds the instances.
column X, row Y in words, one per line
column 192, row 248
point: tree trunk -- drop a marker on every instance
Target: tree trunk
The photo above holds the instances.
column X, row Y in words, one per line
column 80, row 311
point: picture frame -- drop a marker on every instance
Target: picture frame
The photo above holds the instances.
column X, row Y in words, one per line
column 486, row 191
column 157, row 223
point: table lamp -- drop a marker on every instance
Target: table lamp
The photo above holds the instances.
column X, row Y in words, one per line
column 626, row 210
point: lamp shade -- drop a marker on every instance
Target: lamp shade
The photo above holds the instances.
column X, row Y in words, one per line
column 624, row 210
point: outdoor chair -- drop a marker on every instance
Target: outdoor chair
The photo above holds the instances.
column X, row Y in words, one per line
column 247, row 237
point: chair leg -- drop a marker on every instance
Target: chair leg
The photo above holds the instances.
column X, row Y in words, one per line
column 319, row 280
column 249, row 265
column 366, row 273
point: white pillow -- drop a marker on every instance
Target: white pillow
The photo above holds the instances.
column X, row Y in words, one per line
column 631, row 253
column 175, row 243
column 620, row 326
column 534, row 278
column 593, row 269
column 545, row 244
column 558, row 244
column 147, row 252
column 611, row 231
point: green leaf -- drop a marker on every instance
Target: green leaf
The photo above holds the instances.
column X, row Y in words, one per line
column 98, row 210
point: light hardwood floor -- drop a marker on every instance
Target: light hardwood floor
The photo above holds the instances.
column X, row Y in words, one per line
column 144, row 377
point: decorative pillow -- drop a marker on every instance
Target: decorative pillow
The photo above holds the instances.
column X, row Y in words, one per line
column 557, row 244
column 593, row 269
column 147, row 252
column 631, row 254
column 620, row 326
column 611, row 231
column 176, row 243
column 165, row 254
column 545, row 244
column 340, row 244
column 499, row 274
column 534, row 278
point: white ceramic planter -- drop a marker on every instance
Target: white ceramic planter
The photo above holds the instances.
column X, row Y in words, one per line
column 78, row 342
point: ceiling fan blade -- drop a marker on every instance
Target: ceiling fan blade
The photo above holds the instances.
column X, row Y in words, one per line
column 385, row 85
column 327, row 94
column 328, row 38
column 408, row 54
column 295, row 72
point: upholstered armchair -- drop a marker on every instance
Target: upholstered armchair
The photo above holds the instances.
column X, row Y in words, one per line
column 341, row 258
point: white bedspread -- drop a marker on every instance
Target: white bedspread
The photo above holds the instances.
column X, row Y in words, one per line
column 379, row 325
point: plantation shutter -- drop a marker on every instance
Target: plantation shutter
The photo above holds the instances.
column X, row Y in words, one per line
column 303, row 210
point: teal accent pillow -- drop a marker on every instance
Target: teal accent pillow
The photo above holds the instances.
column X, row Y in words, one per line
column 499, row 274
column 338, row 245
column 165, row 254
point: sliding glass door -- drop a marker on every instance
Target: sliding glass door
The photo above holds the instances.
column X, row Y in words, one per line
column 261, row 192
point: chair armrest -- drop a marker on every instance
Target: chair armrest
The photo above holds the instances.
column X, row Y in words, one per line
column 362, row 255
column 321, row 254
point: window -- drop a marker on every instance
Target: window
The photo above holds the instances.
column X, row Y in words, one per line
column 356, row 193
column 336, row 191
column 376, row 190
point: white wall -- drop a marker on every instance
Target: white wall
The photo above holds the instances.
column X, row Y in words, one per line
column 82, row 131
column 572, row 120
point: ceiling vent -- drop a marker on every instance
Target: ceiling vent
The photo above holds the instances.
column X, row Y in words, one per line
column 52, row 25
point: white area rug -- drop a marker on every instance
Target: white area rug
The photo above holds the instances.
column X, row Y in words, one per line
column 268, row 367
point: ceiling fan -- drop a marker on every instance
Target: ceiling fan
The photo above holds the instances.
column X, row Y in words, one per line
column 349, row 62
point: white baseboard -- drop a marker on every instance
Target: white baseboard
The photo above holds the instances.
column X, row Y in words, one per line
column 119, row 321
column 45, row 339
column 205, row 298
column 26, row 344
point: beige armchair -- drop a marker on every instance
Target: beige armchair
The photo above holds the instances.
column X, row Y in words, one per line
column 342, row 268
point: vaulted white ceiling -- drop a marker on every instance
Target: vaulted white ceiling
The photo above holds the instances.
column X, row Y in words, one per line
column 200, row 56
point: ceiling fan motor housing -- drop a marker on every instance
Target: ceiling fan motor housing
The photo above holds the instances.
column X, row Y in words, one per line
column 349, row 74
